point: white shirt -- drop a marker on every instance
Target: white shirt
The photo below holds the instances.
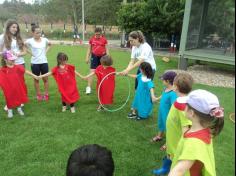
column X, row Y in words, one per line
column 38, row 50
column 144, row 51
column 14, row 48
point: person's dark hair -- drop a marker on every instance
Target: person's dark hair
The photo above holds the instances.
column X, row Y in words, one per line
column 147, row 69
column 61, row 57
column 106, row 60
column 90, row 160
column 8, row 35
column 207, row 121
column 98, row 29
column 34, row 27
column 137, row 35
column 184, row 82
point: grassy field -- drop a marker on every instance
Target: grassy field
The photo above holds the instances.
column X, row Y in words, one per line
column 40, row 143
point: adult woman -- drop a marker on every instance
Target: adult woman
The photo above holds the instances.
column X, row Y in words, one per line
column 11, row 40
column 141, row 52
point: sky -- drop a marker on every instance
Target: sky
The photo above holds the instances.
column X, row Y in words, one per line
column 27, row 1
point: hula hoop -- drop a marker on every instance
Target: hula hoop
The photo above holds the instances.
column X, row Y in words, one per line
column 126, row 101
column 231, row 117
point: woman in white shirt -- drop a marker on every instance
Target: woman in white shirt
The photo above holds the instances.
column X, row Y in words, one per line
column 39, row 65
column 11, row 40
column 141, row 52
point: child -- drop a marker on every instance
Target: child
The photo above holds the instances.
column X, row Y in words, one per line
column 64, row 74
column 90, row 160
column 144, row 95
column 194, row 154
column 176, row 123
column 13, row 84
column 168, row 97
column 107, row 87
column 39, row 64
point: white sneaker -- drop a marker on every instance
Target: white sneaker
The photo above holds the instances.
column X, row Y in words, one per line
column 5, row 108
column 9, row 113
column 19, row 110
column 72, row 109
column 63, row 108
column 88, row 90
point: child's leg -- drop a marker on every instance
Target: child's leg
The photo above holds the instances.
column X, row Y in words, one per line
column 45, row 81
column 20, row 111
column 63, row 107
column 36, row 86
column 72, row 108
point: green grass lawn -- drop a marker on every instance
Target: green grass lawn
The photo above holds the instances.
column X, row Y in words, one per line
column 40, row 143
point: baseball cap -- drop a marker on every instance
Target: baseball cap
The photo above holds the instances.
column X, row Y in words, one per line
column 202, row 101
column 8, row 55
column 169, row 75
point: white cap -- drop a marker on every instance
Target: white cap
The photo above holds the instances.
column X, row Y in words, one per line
column 202, row 101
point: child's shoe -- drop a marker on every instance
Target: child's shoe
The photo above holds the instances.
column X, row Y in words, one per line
column 100, row 108
column 39, row 97
column 63, row 108
column 88, row 90
column 165, row 169
column 19, row 110
column 72, row 109
column 131, row 115
column 46, row 97
column 9, row 113
column 5, row 108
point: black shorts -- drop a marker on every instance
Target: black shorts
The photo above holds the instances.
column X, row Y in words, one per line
column 38, row 69
column 95, row 61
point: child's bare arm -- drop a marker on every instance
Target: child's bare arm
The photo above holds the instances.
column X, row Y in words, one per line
column 45, row 75
column 79, row 75
column 132, row 75
column 154, row 98
column 31, row 74
column 89, row 75
column 181, row 168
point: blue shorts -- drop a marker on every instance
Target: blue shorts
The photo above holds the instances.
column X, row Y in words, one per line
column 95, row 61
column 38, row 69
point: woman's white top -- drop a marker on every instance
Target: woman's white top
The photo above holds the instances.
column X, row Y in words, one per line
column 14, row 48
column 144, row 51
column 38, row 50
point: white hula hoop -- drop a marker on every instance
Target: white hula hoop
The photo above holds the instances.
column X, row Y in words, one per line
column 126, row 101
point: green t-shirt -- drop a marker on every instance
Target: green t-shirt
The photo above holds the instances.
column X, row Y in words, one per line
column 195, row 149
column 176, row 120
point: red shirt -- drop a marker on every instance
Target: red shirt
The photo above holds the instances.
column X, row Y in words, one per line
column 108, row 85
column 98, row 45
column 66, row 83
column 13, row 85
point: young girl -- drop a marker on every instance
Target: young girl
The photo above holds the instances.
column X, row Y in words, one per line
column 108, row 85
column 144, row 96
column 195, row 155
column 168, row 97
column 64, row 74
column 12, row 83
column 39, row 64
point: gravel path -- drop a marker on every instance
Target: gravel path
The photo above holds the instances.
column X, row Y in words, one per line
column 209, row 76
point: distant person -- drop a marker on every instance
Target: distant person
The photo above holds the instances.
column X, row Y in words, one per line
column 90, row 160
column 76, row 36
column 39, row 47
column 194, row 154
column 141, row 52
column 64, row 75
column 97, row 49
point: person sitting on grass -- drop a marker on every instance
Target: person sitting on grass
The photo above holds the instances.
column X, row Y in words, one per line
column 90, row 160
column 144, row 95
column 64, row 74
column 12, row 83
column 107, row 87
